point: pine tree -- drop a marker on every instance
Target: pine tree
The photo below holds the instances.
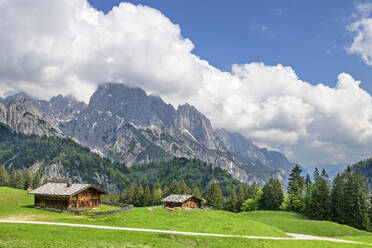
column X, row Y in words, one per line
column 19, row 183
column 252, row 190
column 131, row 195
column 147, row 197
column 214, row 196
column 321, row 198
column 294, row 189
column 139, row 196
column 338, row 207
column 183, row 188
column 13, row 178
column 27, row 177
column 174, row 188
column 241, row 196
column 272, row 195
column 36, row 180
column 157, row 194
column 307, row 197
column 232, row 204
column 124, row 197
column 4, row 177
column 195, row 191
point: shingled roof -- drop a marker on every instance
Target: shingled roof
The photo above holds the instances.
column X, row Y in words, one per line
column 62, row 189
column 178, row 198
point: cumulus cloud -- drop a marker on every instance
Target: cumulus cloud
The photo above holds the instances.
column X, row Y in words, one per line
column 362, row 29
column 49, row 47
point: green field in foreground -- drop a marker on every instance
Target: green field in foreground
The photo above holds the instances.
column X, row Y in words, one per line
column 16, row 204
column 25, row 235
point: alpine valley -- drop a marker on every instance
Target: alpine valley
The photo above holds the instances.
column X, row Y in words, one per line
column 127, row 125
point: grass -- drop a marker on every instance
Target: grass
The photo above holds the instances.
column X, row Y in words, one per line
column 22, row 235
column 296, row 223
column 16, row 204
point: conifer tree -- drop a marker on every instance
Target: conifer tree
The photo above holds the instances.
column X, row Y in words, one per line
column 183, row 188
column 294, row 189
column 139, row 196
column 252, row 190
column 307, row 197
column 272, row 195
column 241, row 196
column 27, row 177
column 131, row 195
column 124, row 197
column 195, row 191
column 36, row 182
column 232, row 204
column 19, row 183
column 13, row 178
column 321, row 198
column 214, row 196
column 174, row 188
column 4, row 177
column 157, row 194
column 147, row 197
column 338, row 206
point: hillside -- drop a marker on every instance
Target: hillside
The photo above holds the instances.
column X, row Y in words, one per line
column 63, row 158
column 17, row 205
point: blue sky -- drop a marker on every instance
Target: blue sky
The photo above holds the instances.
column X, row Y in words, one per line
column 309, row 36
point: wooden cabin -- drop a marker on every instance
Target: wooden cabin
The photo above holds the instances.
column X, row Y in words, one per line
column 67, row 196
column 182, row 202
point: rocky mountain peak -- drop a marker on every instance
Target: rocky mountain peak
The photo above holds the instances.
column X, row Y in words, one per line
column 132, row 104
column 190, row 120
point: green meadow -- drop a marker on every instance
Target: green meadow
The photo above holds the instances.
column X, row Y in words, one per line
column 17, row 205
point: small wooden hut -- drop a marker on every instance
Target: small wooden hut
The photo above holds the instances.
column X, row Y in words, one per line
column 67, row 196
column 182, row 202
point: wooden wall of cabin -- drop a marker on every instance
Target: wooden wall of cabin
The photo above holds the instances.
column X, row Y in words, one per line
column 191, row 203
column 54, row 202
column 89, row 198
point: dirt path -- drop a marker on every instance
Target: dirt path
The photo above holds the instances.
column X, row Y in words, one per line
column 294, row 236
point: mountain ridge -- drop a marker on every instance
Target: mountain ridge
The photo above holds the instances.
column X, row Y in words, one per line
column 126, row 124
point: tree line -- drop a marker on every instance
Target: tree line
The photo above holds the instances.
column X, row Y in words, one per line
column 345, row 201
column 19, row 179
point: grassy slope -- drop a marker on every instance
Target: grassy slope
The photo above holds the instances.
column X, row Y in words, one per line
column 296, row 223
column 15, row 204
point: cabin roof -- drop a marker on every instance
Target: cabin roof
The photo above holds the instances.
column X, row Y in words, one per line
column 178, row 198
column 62, row 189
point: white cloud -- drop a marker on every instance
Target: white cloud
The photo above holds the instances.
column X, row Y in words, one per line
column 49, row 47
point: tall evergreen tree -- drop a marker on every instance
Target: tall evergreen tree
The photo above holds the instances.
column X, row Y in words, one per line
column 4, row 177
column 19, row 183
column 131, row 195
column 36, row 182
column 307, row 197
column 338, row 204
column 139, row 196
column 214, row 196
column 321, row 198
column 232, row 204
column 272, row 195
column 147, row 197
column 27, row 177
column 174, row 188
column 157, row 194
column 295, row 188
column 195, row 191
column 242, row 196
column 183, row 188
